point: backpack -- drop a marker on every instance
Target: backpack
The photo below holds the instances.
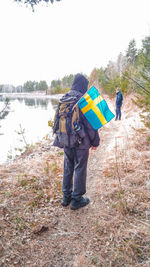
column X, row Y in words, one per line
column 67, row 126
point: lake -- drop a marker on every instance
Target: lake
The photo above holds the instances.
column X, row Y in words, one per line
column 30, row 115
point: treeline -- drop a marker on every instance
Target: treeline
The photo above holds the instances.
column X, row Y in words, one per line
column 56, row 87
column 29, row 86
column 128, row 72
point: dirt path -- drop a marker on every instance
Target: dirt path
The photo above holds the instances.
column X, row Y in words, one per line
column 114, row 137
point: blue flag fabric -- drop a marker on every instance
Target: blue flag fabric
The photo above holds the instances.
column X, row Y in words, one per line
column 95, row 108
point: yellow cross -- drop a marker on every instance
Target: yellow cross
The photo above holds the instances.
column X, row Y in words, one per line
column 92, row 104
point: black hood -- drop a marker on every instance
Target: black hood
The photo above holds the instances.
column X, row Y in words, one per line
column 80, row 83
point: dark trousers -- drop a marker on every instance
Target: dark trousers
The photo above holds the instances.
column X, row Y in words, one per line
column 118, row 112
column 75, row 164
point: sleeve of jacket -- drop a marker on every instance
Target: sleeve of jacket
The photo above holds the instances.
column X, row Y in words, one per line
column 92, row 134
column 121, row 97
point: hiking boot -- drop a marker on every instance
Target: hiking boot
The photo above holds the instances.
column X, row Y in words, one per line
column 79, row 204
column 66, row 201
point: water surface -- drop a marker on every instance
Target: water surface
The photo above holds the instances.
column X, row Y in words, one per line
column 32, row 115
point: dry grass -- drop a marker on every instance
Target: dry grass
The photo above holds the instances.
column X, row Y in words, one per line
column 30, row 189
column 127, row 200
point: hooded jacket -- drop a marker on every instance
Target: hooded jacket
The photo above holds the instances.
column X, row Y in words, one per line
column 119, row 99
column 78, row 89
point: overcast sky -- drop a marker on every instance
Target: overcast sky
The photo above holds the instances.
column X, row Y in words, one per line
column 67, row 37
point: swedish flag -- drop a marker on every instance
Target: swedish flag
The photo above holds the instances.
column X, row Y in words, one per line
column 95, row 108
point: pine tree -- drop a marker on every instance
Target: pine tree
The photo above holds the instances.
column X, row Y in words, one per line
column 131, row 53
column 131, row 57
column 143, row 100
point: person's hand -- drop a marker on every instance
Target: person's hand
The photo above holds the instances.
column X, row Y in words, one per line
column 93, row 148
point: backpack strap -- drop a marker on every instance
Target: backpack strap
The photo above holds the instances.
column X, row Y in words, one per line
column 68, row 126
column 56, row 120
column 75, row 114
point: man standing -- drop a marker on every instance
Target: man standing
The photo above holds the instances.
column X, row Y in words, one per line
column 119, row 100
column 76, row 158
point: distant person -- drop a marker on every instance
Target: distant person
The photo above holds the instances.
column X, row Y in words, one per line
column 119, row 100
column 75, row 154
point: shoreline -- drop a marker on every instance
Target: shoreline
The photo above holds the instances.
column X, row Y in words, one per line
column 30, row 95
